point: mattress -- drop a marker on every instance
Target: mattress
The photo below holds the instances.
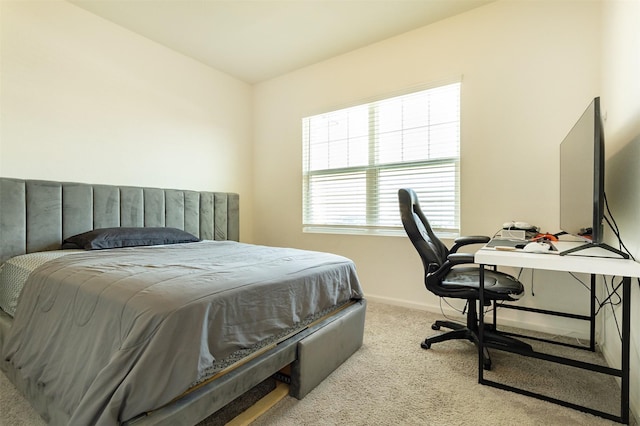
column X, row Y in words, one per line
column 15, row 271
column 109, row 334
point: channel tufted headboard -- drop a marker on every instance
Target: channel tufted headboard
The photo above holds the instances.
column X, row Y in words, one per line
column 37, row 215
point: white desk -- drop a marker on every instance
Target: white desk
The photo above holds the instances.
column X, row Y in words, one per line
column 572, row 263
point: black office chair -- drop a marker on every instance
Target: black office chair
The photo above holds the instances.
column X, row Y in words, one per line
column 446, row 278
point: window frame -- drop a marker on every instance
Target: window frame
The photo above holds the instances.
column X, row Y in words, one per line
column 372, row 170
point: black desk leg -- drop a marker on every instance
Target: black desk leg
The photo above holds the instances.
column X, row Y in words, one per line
column 626, row 337
column 481, row 327
column 592, row 321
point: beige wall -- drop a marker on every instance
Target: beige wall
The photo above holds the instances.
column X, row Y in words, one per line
column 82, row 99
column 529, row 70
column 85, row 100
column 621, row 104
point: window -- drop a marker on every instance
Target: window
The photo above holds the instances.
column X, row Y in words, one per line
column 355, row 160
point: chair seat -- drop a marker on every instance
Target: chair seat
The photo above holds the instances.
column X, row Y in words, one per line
column 497, row 285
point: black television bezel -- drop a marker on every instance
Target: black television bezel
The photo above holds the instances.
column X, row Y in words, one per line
column 597, row 227
column 598, row 190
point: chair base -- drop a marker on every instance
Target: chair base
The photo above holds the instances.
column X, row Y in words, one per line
column 460, row 331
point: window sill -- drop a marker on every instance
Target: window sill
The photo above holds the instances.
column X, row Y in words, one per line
column 385, row 232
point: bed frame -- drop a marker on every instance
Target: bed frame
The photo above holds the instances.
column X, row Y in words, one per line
column 36, row 215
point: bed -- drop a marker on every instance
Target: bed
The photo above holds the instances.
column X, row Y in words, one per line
column 169, row 330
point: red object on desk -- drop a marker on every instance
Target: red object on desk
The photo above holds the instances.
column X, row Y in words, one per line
column 549, row 237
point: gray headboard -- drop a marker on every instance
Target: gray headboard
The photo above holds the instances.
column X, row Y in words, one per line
column 37, row 215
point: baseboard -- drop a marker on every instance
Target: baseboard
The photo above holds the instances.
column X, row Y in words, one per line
column 529, row 323
column 403, row 303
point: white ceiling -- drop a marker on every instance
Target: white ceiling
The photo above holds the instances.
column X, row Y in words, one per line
column 255, row 40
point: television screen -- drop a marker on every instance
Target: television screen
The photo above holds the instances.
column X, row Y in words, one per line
column 582, row 176
column 582, row 199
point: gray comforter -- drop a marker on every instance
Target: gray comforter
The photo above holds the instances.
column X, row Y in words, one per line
column 107, row 335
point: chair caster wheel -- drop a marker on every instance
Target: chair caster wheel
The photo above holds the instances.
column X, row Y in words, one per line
column 425, row 345
column 435, row 327
column 487, row 366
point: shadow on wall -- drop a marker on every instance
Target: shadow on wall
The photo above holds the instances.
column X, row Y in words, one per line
column 622, row 186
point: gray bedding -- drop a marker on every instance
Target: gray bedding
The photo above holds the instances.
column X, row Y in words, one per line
column 106, row 335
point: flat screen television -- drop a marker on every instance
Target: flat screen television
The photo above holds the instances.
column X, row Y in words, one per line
column 582, row 200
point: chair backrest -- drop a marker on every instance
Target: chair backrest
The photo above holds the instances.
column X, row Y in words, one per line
column 432, row 251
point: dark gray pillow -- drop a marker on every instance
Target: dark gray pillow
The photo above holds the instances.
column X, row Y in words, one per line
column 106, row 238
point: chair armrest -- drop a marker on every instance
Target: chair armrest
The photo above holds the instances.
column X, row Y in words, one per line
column 452, row 260
column 460, row 258
column 464, row 241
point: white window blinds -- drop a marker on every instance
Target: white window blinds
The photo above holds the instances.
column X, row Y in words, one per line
column 355, row 160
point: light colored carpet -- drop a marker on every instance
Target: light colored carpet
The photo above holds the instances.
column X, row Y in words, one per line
column 392, row 381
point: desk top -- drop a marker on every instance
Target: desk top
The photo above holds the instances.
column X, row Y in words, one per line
column 552, row 261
